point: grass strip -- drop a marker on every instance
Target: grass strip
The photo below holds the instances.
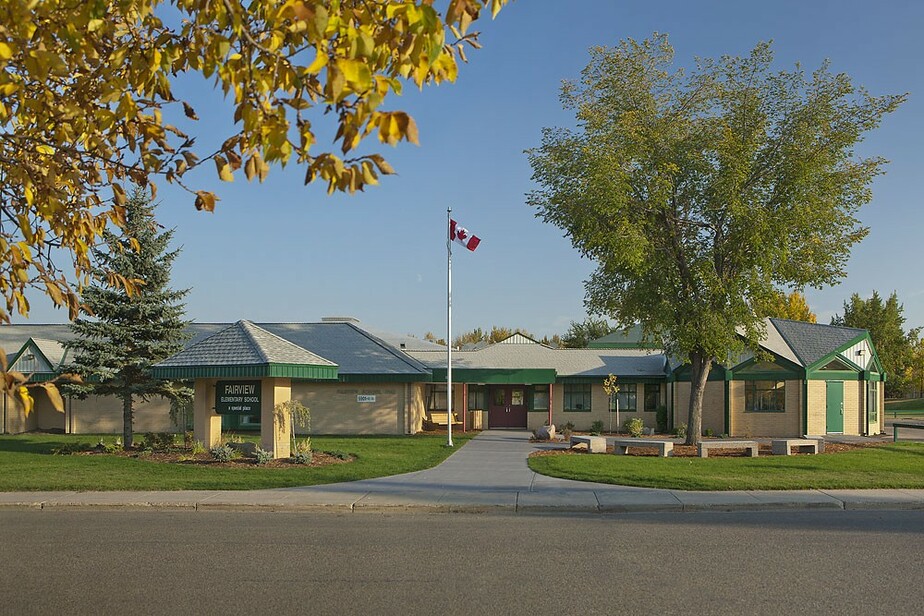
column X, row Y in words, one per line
column 915, row 405
column 899, row 465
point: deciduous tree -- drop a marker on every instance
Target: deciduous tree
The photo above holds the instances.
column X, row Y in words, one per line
column 789, row 306
column 496, row 334
column 114, row 350
column 580, row 334
column 699, row 193
column 86, row 88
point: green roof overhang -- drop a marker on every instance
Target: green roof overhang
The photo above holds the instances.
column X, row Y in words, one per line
column 286, row 371
column 498, row 376
column 422, row 377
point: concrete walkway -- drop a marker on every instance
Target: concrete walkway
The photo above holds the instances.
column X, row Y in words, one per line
column 489, row 474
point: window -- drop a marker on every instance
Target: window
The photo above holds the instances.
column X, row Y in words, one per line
column 476, row 398
column 765, row 396
column 577, row 398
column 437, row 398
column 627, row 398
column 873, row 402
column 652, row 396
column 540, row 398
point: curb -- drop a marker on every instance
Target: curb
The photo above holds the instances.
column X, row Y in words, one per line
column 437, row 508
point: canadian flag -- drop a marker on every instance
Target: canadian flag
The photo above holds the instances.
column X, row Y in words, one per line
column 462, row 236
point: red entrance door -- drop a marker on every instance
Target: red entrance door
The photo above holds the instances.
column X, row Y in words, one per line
column 507, row 408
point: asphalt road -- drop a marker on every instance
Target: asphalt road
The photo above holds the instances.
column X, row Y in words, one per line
column 256, row 563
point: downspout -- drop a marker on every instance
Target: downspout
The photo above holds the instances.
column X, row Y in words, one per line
column 550, row 404
column 805, row 385
column 464, row 407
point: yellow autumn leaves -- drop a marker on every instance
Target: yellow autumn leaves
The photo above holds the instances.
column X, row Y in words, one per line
column 85, row 88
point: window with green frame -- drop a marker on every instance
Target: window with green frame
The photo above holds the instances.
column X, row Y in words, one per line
column 577, row 398
column 627, row 396
column 476, row 397
column 765, row 396
column 873, row 401
column 652, row 396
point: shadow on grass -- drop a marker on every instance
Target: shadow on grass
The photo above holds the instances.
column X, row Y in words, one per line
column 35, row 446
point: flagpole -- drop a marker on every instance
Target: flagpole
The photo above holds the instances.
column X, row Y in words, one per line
column 449, row 327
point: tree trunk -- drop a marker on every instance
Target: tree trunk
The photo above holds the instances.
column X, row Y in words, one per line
column 699, row 375
column 127, row 421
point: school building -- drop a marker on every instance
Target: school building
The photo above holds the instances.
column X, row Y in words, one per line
column 806, row 379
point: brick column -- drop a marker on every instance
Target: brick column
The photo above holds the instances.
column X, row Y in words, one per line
column 274, row 429
column 206, row 422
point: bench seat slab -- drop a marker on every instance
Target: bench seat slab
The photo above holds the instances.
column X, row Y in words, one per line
column 705, row 446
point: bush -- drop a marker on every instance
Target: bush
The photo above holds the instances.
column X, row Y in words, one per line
column 708, row 432
column 262, row 456
column 104, row 447
column 70, row 448
column 157, row 441
column 197, row 448
column 222, row 453
column 635, row 427
column 681, row 431
column 303, row 457
column 596, row 428
column 661, row 419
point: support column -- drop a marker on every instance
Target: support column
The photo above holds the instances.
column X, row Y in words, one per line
column 275, row 428
column 206, row 422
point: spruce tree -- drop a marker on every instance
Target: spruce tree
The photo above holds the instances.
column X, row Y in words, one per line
column 114, row 349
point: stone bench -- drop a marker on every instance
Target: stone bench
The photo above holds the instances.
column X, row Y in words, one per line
column 595, row 444
column 621, row 445
column 705, row 446
column 783, row 446
column 442, row 418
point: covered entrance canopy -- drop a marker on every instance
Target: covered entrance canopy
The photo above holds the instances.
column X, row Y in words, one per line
column 521, row 383
column 508, row 391
column 245, row 369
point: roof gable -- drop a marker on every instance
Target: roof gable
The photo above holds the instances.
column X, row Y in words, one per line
column 37, row 355
column 812, row 342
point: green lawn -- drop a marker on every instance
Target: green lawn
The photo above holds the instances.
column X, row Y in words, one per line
column 898, row 465
column 912, row 407
column 26, row 464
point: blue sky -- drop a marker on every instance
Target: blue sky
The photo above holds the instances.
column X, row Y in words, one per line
column 282, row 251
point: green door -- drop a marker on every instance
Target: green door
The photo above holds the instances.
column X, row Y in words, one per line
column 835, row 397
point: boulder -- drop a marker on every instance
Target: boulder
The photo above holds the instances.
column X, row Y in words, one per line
column 545, row 433
column 246, row 448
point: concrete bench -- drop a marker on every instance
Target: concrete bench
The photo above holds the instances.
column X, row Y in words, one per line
column 595, row 444
column 904, row 424
column 442, row 418
column 621, row 446
column 705, row 446
column 783, row 446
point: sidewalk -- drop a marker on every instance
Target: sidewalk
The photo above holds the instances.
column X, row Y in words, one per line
column 489, row 474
